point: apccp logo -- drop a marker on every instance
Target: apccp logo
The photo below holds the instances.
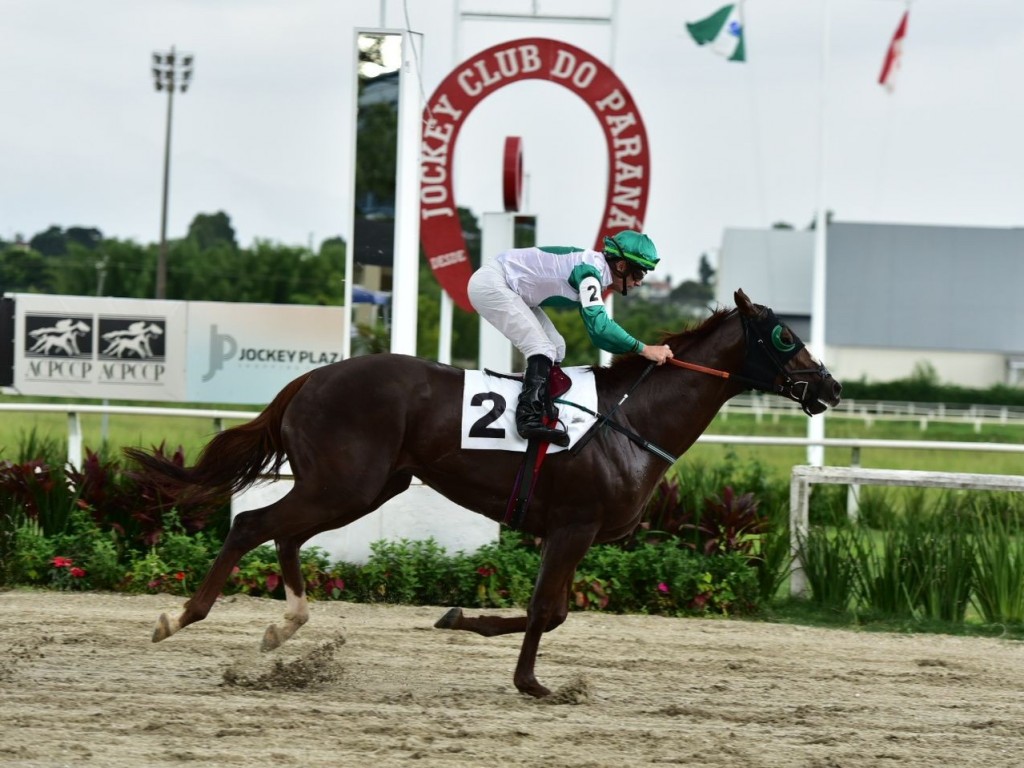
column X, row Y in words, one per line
column 134, row 337
column 49, row 335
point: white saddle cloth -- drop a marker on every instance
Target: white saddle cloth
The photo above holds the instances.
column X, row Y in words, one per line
column 489, row 410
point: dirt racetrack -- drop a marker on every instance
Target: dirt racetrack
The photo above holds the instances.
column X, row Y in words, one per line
column 82, row 685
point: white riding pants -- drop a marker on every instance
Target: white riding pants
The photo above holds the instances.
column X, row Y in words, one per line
column 528, row 328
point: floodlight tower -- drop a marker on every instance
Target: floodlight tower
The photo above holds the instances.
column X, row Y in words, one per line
column 171, row 72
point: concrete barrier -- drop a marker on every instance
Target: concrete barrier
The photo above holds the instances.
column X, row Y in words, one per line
column 418, row 514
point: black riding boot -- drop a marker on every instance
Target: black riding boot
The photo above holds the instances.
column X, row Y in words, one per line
column 533, row 403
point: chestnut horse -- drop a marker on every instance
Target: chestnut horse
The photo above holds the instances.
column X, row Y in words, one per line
column 355, row 433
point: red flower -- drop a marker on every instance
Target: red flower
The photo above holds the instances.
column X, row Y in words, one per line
column 486, row 571
column 272, row 581
column 180, row 575
column 78, row 572
column 62, row 562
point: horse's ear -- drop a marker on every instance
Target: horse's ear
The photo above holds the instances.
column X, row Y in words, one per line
column 743, row 303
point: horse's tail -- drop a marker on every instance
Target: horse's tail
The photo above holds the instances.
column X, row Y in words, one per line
column 231, row 461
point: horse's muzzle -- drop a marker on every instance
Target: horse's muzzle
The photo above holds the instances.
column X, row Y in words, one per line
column 817, row 394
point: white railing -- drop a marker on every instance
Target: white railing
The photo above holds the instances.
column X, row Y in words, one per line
column 870, row 411
column 804, row 476
column 218, row 416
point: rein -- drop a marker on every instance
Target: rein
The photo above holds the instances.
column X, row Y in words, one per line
column 745, row 380
column 786, row 389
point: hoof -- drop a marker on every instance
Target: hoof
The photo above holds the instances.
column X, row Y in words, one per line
column 534, row 689
column 450, row 619
column 271, row 639
column 162, row 630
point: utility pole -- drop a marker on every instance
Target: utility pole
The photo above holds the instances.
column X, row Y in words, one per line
column 171, row 72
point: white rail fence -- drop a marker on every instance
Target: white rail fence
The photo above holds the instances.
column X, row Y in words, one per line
column 803, row 477
column 217, row 417
column 869, row 411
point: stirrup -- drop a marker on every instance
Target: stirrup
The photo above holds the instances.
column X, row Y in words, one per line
column 546, row 434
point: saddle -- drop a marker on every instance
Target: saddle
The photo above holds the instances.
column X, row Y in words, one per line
column 526, row 478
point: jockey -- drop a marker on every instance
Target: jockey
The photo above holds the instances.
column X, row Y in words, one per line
column 510, row 290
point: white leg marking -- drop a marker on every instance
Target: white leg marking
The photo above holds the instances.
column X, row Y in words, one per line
column 296, row 614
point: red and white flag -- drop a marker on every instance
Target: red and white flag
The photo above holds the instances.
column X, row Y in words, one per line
column 892, row 56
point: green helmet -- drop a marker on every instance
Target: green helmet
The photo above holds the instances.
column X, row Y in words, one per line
column 633, row 247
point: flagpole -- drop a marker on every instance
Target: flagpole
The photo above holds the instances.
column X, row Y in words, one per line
column 816, row 425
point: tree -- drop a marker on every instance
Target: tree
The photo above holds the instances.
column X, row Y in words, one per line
column 87, row 237
column 705, row 270
column 209, row 229
column 24, row 270
column 50, row 242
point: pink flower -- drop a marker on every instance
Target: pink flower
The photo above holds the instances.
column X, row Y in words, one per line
column 663, row 587
column 77, row 572
column 62, row 562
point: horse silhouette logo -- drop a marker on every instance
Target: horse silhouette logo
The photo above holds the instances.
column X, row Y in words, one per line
column 59, row 339
column 135, row 340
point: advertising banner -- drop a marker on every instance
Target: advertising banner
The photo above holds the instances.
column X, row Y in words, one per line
column 139, row 349
column 79, row 346
column 245, row 353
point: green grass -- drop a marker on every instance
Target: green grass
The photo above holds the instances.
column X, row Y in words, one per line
column 17, row 429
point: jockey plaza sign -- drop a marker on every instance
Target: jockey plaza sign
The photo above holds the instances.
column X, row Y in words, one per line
column 476, row 79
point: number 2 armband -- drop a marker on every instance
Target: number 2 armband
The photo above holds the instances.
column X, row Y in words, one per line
column 590, row 292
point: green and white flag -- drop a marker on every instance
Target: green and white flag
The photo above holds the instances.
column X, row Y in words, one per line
column 723, row 31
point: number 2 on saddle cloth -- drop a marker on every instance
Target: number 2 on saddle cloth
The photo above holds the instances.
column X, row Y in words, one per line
column 526, row 478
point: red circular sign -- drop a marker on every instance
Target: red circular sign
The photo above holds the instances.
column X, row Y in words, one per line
column 476, row 79
column 512, row 174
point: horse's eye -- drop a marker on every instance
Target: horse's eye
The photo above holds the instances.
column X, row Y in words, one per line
column 782, row 338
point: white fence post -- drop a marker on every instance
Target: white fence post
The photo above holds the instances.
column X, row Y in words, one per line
column 799, row 493
column 74, row 440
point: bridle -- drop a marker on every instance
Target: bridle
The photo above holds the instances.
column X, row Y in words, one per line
column 767, row 353
column 762, row 371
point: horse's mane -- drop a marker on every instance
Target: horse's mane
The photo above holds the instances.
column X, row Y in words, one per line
column 679, row 340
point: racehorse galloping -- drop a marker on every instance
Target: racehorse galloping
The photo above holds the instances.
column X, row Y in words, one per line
column 356, row 432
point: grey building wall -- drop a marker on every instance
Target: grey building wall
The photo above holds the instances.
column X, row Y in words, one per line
column 895, row 286
column 773, row 267
column 925, row 287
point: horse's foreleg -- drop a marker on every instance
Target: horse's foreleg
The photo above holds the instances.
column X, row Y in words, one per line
column 549, row 605
column 488, row 626
column 297, row 609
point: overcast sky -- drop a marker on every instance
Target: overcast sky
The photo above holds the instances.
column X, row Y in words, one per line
column 263, row 132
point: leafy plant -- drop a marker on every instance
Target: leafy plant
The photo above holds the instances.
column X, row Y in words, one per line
column 999, row 577
column 728, row 523
column 828, row 562
column 38, row 489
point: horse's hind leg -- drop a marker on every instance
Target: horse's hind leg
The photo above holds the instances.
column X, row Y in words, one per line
column 297, row 610
column 248, row 531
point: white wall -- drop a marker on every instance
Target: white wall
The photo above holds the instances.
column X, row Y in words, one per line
column 418, row 514
column 966, row 369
